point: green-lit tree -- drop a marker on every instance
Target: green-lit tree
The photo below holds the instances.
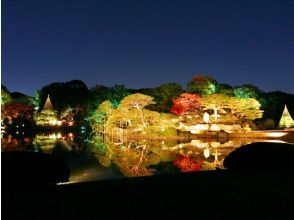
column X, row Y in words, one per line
column 246, row 91
column 99, row 118
column 5, row 96
column 203, row 85
column 250, row 91
column 37, row 100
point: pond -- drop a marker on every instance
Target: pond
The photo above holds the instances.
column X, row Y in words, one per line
column 99, row 158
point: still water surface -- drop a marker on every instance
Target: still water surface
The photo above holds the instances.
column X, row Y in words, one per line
column 99, row 158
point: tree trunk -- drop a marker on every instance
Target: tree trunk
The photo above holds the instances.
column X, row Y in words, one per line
column 215, row 114
column 142, row 118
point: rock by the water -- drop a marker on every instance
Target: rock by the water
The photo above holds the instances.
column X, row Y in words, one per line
column 262, row 156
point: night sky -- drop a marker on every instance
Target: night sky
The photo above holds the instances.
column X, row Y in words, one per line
column 144, row 43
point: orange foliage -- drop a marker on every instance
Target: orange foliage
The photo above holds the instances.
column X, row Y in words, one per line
column 16, row 110
column 186, row 102
column 187, row 164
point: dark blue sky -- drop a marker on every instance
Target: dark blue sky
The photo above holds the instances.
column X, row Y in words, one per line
column 144, row 43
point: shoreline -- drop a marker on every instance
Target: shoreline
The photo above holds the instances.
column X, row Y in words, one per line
column 203, row 195
column 283, row 135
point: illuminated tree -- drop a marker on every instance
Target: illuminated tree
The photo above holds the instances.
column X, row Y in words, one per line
column 250, row 91
column 138, row 102
column 215, row 102
column 187, row 164
column 162, row 123
column 5, row 96
column 203, row 85
column 246, row 109
column 99, row 118
column 106, row 107
column 246, row 91
column 186, row 103
column 17, row 117
column 121, row 119
column 286, row 120
column 17, row 110
column 275, row 103
column 37, row 100
column 67, row 115
column 100, row 93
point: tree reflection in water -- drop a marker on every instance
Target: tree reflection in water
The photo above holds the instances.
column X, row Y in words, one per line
column 143, row 158
column 101, row 158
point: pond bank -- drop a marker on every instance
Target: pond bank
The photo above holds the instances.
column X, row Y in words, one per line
column 198, row 195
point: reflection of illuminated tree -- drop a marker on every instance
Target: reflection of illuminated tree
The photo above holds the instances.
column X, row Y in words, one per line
column 217, row 162
column 47, row 142
column 132, row 158
column 44, row 142
column 187, row 164
column 103, row 152
column 135, row 158
column 9, row 143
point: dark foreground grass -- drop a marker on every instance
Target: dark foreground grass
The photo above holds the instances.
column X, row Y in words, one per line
column 201, row 195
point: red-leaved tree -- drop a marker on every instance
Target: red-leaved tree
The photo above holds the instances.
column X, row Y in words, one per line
column 186, row 102
column 18, row 110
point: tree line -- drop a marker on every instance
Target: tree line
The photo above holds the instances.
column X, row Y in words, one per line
column 84, row 101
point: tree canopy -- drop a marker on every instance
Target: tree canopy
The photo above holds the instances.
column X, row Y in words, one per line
column 5, row 96
column 203, row 85
column 217, row 103
column 186, row 102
